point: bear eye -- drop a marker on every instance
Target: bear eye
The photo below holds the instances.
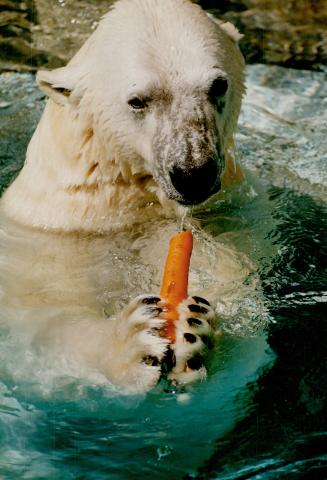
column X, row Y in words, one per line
column 218, row 88
column 136, row 103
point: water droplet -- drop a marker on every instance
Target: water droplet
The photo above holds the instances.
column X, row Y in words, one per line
column 183, row 397
column 5, row 104
column 183, row 219
column 163, row 451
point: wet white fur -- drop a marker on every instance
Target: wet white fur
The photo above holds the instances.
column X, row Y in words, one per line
column 90, row 163
column 91, row 167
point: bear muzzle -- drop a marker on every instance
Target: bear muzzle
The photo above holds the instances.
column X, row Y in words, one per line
column 196, row 184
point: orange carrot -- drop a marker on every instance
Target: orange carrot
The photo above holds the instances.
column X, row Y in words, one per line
column 175, row 278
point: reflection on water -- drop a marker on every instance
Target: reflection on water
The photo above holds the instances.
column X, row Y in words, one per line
column 283, row 434
column 260, row 414
column 283, row 129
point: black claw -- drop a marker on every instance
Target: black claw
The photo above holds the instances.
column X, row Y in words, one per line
column 195, row 363
column 169, row 361
column 152, row 310
column 150, row 300
column 201, row 300
column 189, row 337
column 152, row 361
column 154, row 331
column 194, row 322
column 197, row 309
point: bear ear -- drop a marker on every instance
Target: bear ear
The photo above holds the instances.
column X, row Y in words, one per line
column 231, row 31
column 60, row 84
column 228, row 28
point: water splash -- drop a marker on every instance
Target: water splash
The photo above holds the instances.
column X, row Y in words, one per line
column 186, row 220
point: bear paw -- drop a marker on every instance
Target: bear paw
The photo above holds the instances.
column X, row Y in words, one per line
column 146, row 353
column 139, row 332
column 194, row 337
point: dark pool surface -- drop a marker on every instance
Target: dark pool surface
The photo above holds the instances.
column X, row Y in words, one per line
column 261, row 414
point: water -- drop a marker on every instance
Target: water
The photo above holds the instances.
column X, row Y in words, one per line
column 261, row 412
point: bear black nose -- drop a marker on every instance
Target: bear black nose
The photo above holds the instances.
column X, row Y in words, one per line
column 196, row 184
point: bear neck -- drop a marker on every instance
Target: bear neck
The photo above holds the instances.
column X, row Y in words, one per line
column 74, row 181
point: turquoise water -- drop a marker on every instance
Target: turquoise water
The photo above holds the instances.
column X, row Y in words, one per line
column 90, row 433
column 261, row 412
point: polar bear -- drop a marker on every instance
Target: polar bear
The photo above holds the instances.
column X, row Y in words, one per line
column 138, row 126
